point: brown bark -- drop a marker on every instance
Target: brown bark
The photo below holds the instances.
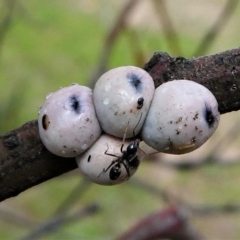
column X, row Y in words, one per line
column 25, row 162
column 220, row 73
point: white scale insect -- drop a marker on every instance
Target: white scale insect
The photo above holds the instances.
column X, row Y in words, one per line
column 108, row 163
column 67, row 121
column 120, row 94
column 183, row 115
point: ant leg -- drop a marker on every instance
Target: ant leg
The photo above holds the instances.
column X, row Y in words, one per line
column 105, row 170
column 134, row 135
column 113, row 162
column 109, row 154
column 127, row 169
column 141, row 149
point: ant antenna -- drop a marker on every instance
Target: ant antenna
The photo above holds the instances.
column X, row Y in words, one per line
column 124, row 136
column 125, row 133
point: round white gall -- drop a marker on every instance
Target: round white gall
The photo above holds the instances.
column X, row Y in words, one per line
column 67, row 121
column 122, row 97
column 106, row 164
column 182, row 117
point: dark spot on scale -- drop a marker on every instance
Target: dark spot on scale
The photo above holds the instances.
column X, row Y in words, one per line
column 178, row 131
column 75, row 104
column 65, row 146
column 45, row 121
column 140, row 103
column 209, row 117
column 87, row 119
column 179, row 120
column 89, row 158
column 193, row 140
column 135, row 81
column 195, row 117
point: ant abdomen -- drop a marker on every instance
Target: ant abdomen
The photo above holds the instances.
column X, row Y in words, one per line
column 115, row 172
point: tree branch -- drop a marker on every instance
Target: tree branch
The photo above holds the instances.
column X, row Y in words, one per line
column 25, row 162
column 220, row 73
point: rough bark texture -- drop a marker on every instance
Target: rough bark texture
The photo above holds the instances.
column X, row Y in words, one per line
column 25, row 162
column 220, row 73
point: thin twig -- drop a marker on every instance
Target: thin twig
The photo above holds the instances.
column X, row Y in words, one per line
column 5, row 24
column 16, row 218
column 58, row 221
column 214, row 31
column 75, row 194
column 110, row 40
column 168, row 27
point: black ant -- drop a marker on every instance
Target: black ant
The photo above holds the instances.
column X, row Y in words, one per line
column 129, row 158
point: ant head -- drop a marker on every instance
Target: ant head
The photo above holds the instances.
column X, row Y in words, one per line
column 133, row 146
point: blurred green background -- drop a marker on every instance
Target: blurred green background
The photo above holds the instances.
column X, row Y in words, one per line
column 45, row 45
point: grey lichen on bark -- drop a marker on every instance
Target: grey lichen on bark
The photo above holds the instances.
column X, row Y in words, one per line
column 25, row 162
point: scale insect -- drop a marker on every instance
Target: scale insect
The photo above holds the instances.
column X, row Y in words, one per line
column 107, row 162
column 123, row 93
column 182, row 117
column 67, row 121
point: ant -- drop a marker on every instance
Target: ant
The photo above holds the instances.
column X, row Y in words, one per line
column 129, row 158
